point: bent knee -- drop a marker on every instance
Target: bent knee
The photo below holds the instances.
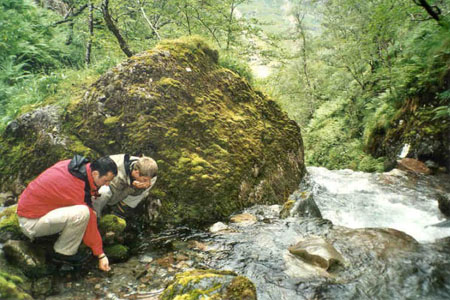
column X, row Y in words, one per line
column 82, row 212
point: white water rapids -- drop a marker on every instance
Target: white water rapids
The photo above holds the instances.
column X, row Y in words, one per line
column 360, row 200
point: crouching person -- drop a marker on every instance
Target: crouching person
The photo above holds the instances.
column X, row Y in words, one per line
column 59, row 200
column 136, row 176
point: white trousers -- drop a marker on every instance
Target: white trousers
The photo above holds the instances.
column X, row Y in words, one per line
column 69, row 221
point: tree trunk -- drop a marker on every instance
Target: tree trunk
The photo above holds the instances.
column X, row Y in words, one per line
column 112, row 27
column 153, row 28
column 70, row 37
column 91, row 34
column 433, row 11
column 230, row 24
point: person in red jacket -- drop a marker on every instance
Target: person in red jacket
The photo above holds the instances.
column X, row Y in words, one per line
column 59, row 200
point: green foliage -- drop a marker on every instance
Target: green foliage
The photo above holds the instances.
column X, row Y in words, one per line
column 240, row 67
column 31, row 50
column 349, row 82
column 28, row 41
column 9, row 287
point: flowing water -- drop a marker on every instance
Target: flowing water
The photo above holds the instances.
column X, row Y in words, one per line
column 380, row 263
column 410, row 261
column 358, row 200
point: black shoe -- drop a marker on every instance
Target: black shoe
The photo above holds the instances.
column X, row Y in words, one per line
column 74, row 260
column 122, row 210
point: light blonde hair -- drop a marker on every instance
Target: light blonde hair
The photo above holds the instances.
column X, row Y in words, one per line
column 146, row 166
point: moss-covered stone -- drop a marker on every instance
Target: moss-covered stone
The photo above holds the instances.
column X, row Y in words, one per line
column 9, row 288
column 286, row 209
column 220, row 145
column 33, row 142
column 209, row 284
column 13, row 283
column 9, row 225
column 117, row 252
column 112, row 223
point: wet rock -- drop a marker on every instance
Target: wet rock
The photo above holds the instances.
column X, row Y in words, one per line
column 210, row 284
column 217, row 227
column 286, row 209
column 382, row 243
column 305, row 206
column 444, row 203
column 244, row 219
column 317, row 251
column 25, row 255
column 111, row 227
column 413, row 165
column 9, row 287
column 42, row 287
column 7, row 199
column 117, row 252
column 9, row 225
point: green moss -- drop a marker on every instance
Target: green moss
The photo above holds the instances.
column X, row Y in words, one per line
column 169, row 82
column 201, row 284
column 9, row 223
column 286, row 210
column 9, row 288
column 241, row 288
column 117, row 252
column 112, row 223
column 111, row 121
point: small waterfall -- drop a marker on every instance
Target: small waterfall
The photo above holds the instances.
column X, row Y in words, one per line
column 381, row 263
column 394, row 200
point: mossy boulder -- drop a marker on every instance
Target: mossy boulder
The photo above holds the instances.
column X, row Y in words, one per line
column 210, row 284
column 117, row 252
column 112, row 223
column 33, row 142
column 220, row 145
column 26, row 256
column 9, row 287
column 13, row 282
column 9, row 225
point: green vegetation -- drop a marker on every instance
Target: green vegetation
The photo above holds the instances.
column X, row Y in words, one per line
column 9, row 287
column 349, row 72
column 210, row 284
column 370, row 66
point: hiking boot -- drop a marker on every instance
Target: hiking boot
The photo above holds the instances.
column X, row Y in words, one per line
column 74, row 260
column 122, row 210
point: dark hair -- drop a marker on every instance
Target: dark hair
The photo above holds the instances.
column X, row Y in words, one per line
column 104, row 165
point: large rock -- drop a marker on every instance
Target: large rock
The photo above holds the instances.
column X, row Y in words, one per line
column 413, row 165
column 317, row 251
column 26, row 256
column 33, row 142
column 220, row 145
column 444, row 203
column 210, row 284
column 9, row 225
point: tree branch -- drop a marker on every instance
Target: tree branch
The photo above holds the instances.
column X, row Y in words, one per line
column 69, row 16
column 148, row 21
column 433, row 11
column 112, row 27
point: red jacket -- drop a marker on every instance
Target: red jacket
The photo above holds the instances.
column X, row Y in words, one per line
column 55, row 188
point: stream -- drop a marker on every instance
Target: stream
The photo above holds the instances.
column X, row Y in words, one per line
column 387, row 226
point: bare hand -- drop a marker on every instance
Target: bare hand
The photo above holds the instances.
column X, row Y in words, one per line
column 141, row 185
column 103, row 264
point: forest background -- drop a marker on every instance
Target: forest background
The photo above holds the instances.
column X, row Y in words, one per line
column 343, row 69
